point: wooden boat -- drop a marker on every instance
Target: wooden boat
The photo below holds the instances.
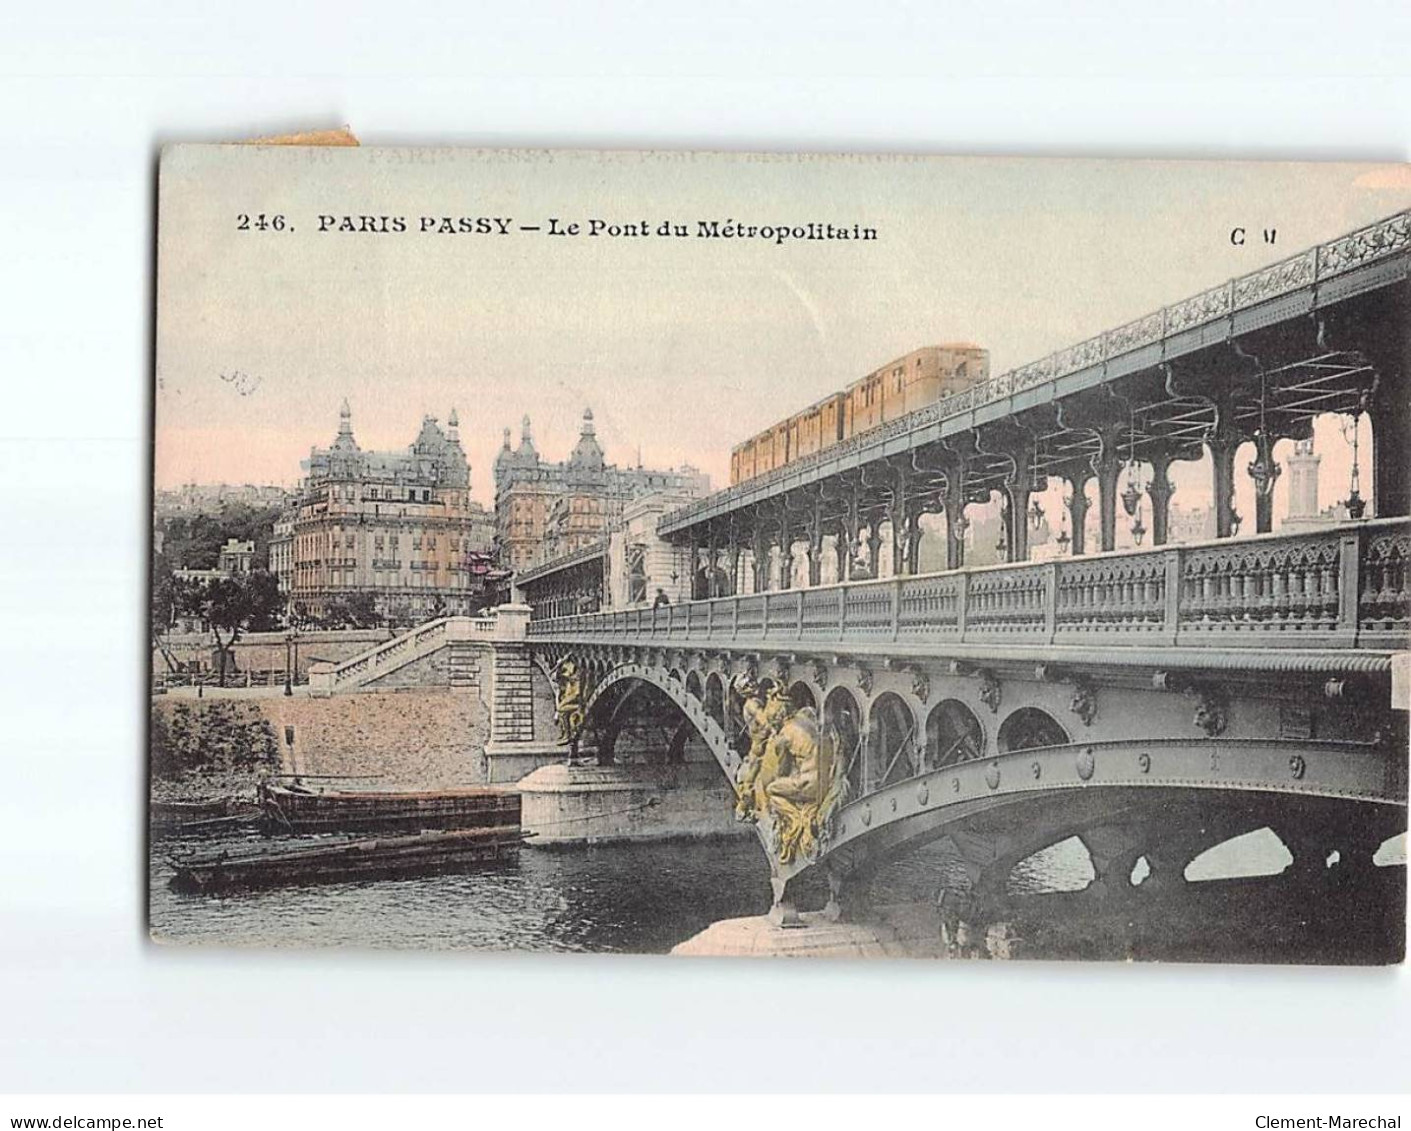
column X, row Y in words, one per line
column 293, row 809
column 188, row 816
column 346, row 859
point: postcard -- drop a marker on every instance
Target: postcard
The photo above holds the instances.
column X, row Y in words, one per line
column 781, row 555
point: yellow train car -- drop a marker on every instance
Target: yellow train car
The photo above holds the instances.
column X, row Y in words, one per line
column 902, row 386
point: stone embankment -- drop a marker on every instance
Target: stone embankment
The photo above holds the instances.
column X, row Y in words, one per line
column 425, row 738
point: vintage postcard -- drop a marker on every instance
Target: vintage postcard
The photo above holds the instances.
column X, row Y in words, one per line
column 746, row 554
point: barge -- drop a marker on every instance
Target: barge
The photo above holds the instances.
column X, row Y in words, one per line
column 295, row 809
column 336, row 861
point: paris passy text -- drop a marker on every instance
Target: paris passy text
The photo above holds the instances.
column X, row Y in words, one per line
column 1327, row 1122
column 729, row 228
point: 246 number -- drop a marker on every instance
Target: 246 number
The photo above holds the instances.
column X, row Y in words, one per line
column 261, row 223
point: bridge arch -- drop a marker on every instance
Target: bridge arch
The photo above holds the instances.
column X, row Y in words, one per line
column 1030, row 728
column 715, row 698
column 802, row 695
column 841, row 713
column 693, row 685
column 954, row 734
column 891, row 741
column 610, row 694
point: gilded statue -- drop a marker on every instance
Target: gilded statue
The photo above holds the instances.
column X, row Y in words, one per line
column 764, row 708
column 791, row 781
column 568, row 700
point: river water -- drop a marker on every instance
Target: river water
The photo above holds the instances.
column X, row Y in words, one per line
column 638, row 898
column 635, row 898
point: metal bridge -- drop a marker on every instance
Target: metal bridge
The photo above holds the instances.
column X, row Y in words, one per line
column 1183, row 686
column 1151, row 702
column 1253, row 359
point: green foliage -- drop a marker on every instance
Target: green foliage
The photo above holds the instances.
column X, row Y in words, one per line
column 218, row 736
column 359, row 610
column 195, row 542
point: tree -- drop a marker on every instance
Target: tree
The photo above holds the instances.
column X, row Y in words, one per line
column 266, row 602
column 226, row 608
column 195, row 542
column 362, row 611
column 163, row 610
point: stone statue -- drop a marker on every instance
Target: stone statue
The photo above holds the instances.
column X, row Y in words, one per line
column 568, row 701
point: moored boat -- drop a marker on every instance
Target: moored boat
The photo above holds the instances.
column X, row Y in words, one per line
column 166, row 816
column 294, row 809
column 333, row 861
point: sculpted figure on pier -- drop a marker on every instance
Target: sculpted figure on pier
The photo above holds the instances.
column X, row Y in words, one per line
column 791, row 780
column 568, row 700
column 808, row 785
column 764, row 708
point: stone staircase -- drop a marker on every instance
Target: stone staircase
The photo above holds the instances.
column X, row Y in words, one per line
column 464, row 664
column 427, row 655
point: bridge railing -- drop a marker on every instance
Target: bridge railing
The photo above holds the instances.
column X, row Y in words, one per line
column 1342, row 587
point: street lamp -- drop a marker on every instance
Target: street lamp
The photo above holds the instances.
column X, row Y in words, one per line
column 288, row 662
column 1356, row 505
column 1263, row 470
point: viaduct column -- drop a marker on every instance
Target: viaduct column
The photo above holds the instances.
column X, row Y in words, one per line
column 1221, row 444
column 897, row 519
column 1016, row 527
column 1161, row 456
column 1107, row 464
column 913, row 539
column 760, row 554
column 1078, row 508
column 1386, row 342
column 815, row 543
column 786, row 549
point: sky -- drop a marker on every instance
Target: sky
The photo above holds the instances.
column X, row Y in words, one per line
column 681, row 346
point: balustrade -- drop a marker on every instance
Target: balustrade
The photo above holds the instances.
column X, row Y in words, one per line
column 1117, row 595
column 401, row 649
column 1009, row 601
column 1342, row 587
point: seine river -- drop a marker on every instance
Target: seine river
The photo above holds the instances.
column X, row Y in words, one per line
column 638, row 898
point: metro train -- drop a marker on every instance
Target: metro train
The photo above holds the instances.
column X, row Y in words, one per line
column 901, row 386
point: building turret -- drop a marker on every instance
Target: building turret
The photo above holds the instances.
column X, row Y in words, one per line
column 345, row 441
column 587, row 453
column 526, row 438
